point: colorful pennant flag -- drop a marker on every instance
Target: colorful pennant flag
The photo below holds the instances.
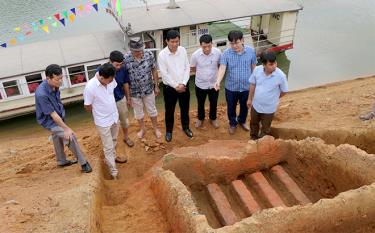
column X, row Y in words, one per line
column 72, row 17
column 20, row 37
column 57, row 16
column 46, row 23
column 65, row 14
column 13, row 41
column 35, row 26
column 104, row 3
column 88, row 8
column 45, row 28
column 95, row 7
column 62, row 21
column 118, row 8
column 26, row 27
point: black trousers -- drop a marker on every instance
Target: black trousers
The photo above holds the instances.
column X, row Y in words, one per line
column 201, row 99
column 264, row 119
column 170, row 100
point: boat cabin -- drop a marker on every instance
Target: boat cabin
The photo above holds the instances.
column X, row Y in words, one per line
column 265, row 24
column 22, row 68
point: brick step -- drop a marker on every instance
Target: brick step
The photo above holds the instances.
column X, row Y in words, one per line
column 262, row 186
column 245, row 197
column 221, row 205
column 290, row 184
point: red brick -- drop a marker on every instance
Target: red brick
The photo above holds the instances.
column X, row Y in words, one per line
column 289, row 183
column 221, row 204
column 246, row 198
column 266, row 189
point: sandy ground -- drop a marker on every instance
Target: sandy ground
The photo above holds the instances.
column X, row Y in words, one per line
column 37, row 196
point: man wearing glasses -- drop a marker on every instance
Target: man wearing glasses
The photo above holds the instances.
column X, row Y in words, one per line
column 50, row 114
column 239, row 61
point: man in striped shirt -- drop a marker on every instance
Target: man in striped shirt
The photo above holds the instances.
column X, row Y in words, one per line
column 238, row 61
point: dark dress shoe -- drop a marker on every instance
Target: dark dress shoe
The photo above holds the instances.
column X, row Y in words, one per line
column 68, row 163
column 168, row 136
column 188, row 132
column 86, row 168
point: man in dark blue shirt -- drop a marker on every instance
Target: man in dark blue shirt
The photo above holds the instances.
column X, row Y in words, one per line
column 50, row 115
column 122, row 93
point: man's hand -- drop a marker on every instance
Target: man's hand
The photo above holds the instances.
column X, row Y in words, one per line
column 249, row 103
column 181, row 88
column 217, row 86
column 129, row 102
column 68, row 134
column 157, row 90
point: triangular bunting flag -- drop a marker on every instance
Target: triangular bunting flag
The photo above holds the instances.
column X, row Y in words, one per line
column 4, row 45
column 49, row 17
column 41, row 21
column 20, row 37
column 54, row 24
column 88, row 8
column 81, row 7
column 35, row 27
column 45, row 28
column 57, row 16
column 28, row 33
column 65, row 13
column 104, row 3
column 73, row 10
column 13, row 41
column 71, row 18
column 95, row 7
column 17, row 29
column 62, row 21
column 26, row 26
column 118, row 8
column 96, row 1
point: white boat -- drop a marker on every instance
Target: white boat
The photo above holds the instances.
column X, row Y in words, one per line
column 266, row 24
column 22, row 68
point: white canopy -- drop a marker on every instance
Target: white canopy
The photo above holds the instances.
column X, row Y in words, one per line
column 194, row 12
column 34, row 57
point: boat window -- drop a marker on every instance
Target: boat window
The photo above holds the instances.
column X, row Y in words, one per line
column 91, row 70
column 12, row 88
column 33, row 81
column 77, row 74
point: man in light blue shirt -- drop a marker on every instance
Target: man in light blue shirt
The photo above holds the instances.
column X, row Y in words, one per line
column 239, row 62
column 267, row 85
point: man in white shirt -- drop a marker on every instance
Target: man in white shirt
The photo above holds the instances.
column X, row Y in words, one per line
column 99, row 99
column 205, row 64
column 175, row 71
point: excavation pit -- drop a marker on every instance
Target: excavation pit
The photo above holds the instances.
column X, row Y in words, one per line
column 267, row 186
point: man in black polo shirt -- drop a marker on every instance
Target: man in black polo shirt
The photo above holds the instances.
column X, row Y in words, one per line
column 50, row 115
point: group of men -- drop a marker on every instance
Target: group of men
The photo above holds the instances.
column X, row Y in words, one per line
column 132, row 81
